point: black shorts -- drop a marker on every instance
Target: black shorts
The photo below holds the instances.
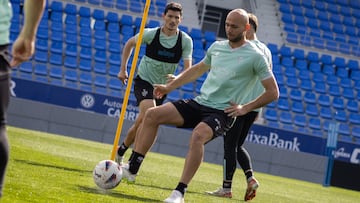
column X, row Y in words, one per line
column 193, row 113
column 144, row 90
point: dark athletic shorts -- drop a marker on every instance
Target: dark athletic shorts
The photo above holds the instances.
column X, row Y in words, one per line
column 193, row 113
column 144, row 90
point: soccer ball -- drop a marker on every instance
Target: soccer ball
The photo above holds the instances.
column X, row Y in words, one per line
column 107, row 174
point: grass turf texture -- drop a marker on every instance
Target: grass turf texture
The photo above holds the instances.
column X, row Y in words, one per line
column 51, row 168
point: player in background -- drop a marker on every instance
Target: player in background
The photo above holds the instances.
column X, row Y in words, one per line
column 234, row 65
column 165, row 46
column 235, row 137
column 22, row 50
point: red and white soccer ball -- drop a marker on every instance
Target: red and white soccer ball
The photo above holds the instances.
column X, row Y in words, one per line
column 107, row 174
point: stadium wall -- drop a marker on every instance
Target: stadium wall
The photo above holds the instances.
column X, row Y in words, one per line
column 172, row 141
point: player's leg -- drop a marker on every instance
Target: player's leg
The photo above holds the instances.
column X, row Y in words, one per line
column 244, row 158
column 131, row 134
column 146, row 136
column 4, row 101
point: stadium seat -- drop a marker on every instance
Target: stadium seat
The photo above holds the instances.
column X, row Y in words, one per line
column 338, row 103
column 85, row 78
column 70, row 9
column 85, row 64
column 285, row 51
column 297, row 107
column 56, row 59
column 100, row 67
column 300, row 120
column 56, row 6
column 324, row 100
column 342, row 72
column 100, row 81
column 271, row 115
column 135, row 7
column 70, row 75
column 40, row 69
column 356, row 132
column 344, row 129
column 352, row 106
column 314, row 67
column 196, row 33
column 273, row 48
column 315, row 123
column 354, row 118
column 122, row 5
column 296, row 95
column 353, row 65
column 41, row 56
column 311, row 110
column 334, row 90
column 70, row 62
column 283, row 104
column 299, row 54
column 320, row 88
column 328, row 70
column 56, row 72
column 341, row 116
column 153, row 23
column 332, row 80
column 86, row 53
column 312, row 56
column 84, row 12
column 285, row 117
column 310, row 97
column 98, row 14
column 292, row 82
column 326, row 113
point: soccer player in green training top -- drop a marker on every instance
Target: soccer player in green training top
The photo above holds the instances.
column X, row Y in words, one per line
column 165, row 46
column 235, row 65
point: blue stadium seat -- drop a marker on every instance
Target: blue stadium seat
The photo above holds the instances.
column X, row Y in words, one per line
column 344, row 129
column 114, row 84
column 86, row 53
column 40, row 69
column 70, row 9
column 153, row 23
column 297, row 107
column 296, row 95
column 341, row 116
column 127, row 30
column 340, row 62
column 310, row 97
column 41, row 56
column 136, row 7
column 299, row 54
column 312, row 56
column 100, row 25
column 356, row 132
column 283, row 92
column 98, row 14
column 292, row 82
column 326, row 113
column 100, row 67
column 115, row 59
column 71, row 75
column 324, row 100
column 334, row 90
column 328, row 70
column 311, row 110
column 353, row 106
column 26, row 67
column 320, row 88
column 315, row 123
column 100, row 45
column 285, row 51
column 94, row 2
column 355, row 75
column 114, row 37
column 84, row 12
column 283, row 104
column 196, row 33
column 209, row 36
column 338, row 103
column 70, row 62
column 314, row 67
column 273, row 48
column 306, row 85
column 100, row 81
column 56, row 6
column 353, row 65
column 332, row 80
column 271, row 115
column 342, row 72
column 113, row 27
column 71, row 50
column 108, row 3
column 100, row 56
column 285, row 117
column 113, row 70
column 56, row 72
column 56, row 59
column 84, row 24
column 85, row 64
column 85, row 78
column 300, row 120
column 121, row 4
column 304, row 74
column 287, row 61
column 354, row 119
column 42, row 45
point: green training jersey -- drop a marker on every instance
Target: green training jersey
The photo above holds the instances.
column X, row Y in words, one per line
column 5, row 18
column 233, row 74
column 258, row 87
column 154, row 71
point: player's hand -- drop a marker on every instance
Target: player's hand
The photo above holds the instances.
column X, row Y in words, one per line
column 170, row 77
column 160, row 91
column 22, row 49
column 235, row 110
column 123, row 76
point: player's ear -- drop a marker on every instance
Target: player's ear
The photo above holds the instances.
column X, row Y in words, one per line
column 247, row 27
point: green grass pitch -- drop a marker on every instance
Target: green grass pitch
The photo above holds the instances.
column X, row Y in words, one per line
column 52, row 168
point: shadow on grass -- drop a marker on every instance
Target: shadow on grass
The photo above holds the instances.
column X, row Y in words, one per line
column 52, row 166
column 115, row 194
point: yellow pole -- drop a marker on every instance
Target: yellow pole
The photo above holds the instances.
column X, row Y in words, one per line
column 131, row 76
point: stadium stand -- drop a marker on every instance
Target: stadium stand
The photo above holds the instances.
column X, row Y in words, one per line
column 79, row 46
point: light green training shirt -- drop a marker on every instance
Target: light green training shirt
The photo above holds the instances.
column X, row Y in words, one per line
column 154, row 71
column 5, row 19
column 233, row 74
column 258, row 88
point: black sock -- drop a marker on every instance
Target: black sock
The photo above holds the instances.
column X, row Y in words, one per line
column 122, row 149
column 227, row 184
column 248, row 174
column 135, row 162
column 181, row 187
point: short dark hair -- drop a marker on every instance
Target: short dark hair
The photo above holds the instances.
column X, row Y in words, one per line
column 253, row 21
column 174, row 7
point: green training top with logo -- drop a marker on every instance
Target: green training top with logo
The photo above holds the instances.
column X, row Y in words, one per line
column 5, row 18
column 258, row 88
column 233, row 73
column 154, row 71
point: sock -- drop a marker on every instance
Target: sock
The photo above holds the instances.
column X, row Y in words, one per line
column 227, row 185
column 248, row 174
column 181, row 187
column 122, row 149
column 135, row 162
